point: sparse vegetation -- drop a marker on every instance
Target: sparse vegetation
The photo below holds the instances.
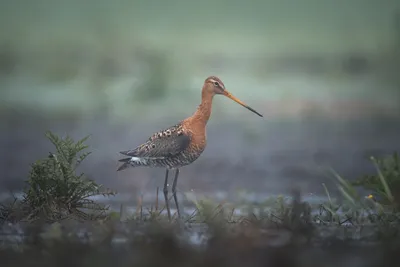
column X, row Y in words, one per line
column 56, row 192
column 385, row 184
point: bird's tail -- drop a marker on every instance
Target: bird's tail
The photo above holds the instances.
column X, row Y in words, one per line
column 132, row 162
column 125, row 164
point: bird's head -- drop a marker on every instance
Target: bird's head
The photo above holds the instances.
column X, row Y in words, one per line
column 213, row 85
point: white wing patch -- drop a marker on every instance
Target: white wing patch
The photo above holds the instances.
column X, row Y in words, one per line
column 138, row 160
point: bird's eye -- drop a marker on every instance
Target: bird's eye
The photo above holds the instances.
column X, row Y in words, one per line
column 216, row 84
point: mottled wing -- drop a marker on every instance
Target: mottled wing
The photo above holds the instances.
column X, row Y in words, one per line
column 165, row 143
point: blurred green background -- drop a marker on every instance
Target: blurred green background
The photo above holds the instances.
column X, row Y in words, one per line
column 117, row 57
column 122, row 69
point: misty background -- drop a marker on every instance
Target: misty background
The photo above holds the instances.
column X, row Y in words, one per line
column 324, row 73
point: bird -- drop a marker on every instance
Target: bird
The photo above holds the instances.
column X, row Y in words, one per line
column 180, row 144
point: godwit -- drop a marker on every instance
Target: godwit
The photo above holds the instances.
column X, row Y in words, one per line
column 181, row 144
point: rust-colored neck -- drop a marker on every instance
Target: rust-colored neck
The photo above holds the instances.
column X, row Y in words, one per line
column 203, row 111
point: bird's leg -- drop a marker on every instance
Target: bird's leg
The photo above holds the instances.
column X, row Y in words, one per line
column 166, row 194
column 174, row 191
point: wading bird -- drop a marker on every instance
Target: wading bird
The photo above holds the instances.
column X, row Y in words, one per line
column 181, row 144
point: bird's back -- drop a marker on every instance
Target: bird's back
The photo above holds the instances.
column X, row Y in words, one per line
column 168, row 148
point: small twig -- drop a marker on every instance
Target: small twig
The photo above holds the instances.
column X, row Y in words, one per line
column 141, row 207
column 231, row 215
column 192, row 215
column 157, row 198
column 348, row 219
column 273, row 215
column 220, row 206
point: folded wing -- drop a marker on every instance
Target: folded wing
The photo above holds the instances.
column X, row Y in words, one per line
column 165, row 143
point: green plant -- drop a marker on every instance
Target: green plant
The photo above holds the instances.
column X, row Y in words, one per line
column 353, row 209
column 385, row 184
column 56, row 192
column 207, row 210
column 359, row 212
column 7, row 210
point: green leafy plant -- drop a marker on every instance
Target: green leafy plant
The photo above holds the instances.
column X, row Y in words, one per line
column 385, row 184
column 360, row 212
column 55, row 191
column 207, row 210
column 353, row 209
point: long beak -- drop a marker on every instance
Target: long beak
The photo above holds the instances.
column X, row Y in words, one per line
column 229, row 95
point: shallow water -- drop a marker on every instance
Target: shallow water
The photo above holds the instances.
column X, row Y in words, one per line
column 282, row 155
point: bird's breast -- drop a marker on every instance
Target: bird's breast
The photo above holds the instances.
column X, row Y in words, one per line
column 198, row 140
column 197, row 132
